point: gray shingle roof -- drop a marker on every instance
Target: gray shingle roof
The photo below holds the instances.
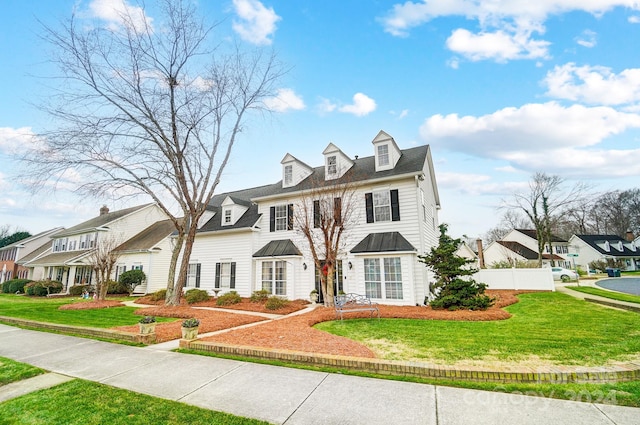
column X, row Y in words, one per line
column 149, row 237
column 99, row 221
column 594, row 241
column 411, row 161
column 60, row 258
column 526, row 252
column 279, row 248
column 383, row 242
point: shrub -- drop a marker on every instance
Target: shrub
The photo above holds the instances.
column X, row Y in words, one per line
column 229, row 298
column 147, row 319
column 14, row 285
column 276, row 303
column 159, row 295
column 77, row 290
column 259, row 296
column 132, row 278
column 581, row 271
column 191, row 323
column 196, row 295
column 114, row 287
column 42, row 288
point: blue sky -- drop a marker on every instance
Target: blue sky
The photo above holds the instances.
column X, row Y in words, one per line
column 499, row 89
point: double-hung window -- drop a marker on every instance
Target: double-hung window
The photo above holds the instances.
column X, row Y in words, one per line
column 227, row 216
column 288, row 175
column 281, row 218
column 226, row 274
column 383, row 155
column 382, row 205
column 332, row 165
column 274, row 277
column 193, row 275
column 383, row 276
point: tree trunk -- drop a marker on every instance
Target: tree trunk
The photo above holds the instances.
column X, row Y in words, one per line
column 171, row 278
column 184, row 264
column 330, row 278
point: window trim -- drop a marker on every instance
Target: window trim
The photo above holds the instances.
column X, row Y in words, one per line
column 275, row 286
column 332, row 165
column 288, row 175
column 384, row 281
column 382, row 155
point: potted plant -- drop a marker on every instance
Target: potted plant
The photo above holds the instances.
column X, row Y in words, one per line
column 190, row 328
column 314, row 296
column 147, row 325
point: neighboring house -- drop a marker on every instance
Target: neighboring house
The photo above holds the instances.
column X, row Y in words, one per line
column 149, row 251
column 247, row 239
column 67, row 259
column 465, row 251
column 11, row 255
column 606, row 248
column 522, row 245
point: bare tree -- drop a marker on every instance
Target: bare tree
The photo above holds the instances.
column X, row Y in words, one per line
column 324, row 215
column 152, row 109
column 103, row 260
column 543, row 205
column 511, row 219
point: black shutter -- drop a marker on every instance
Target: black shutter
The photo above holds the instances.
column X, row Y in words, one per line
column 395, row 206
column 337, row 211
column 217, row 275
column 198, row 275
column 368, row 200
column 290, row 217
column 272, row 219
column 316, row 214
column 232, row 285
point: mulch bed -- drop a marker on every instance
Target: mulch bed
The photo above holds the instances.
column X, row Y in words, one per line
column 92, row 304
column 245, row 305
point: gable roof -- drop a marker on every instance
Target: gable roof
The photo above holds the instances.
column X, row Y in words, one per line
column 525, row 252
column 532, row 234
column 383, row 242
column 42, row 249
column 597, row 241
column 99, row 221
column 31, row 238
column 149, row 237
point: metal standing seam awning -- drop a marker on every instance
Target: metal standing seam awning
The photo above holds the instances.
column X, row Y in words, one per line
column 383, row 242
column 278, row 248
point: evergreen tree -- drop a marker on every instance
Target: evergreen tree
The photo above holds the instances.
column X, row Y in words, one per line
column 453, row 292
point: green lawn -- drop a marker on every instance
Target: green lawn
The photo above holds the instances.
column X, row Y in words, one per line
column 549, row 327
column 85, row 403
column 607, row 294
column 46, row 310
column 11, row 371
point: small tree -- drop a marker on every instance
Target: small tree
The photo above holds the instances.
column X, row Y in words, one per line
column 453, row 292
column 131, row 279
column 103, row 260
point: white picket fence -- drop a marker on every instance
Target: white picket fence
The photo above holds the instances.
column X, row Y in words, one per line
column 519, row 279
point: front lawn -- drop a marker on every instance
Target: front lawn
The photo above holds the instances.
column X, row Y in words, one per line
column 11, row 371
column 546, row 328
column 83, row 402
column 607, row 294
column 46, row 310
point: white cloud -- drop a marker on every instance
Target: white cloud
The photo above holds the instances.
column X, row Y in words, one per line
column 593, row 84
column 587, row 39
column 257, row 23
column 475, row 184
column 13, row 141
column 117, row 12
column 403, row 114
column 635, row 19
column 541, row 137
column 506, row 25
column 362, row 105
column 500, row 45
column 326, row 106
column 285, row 100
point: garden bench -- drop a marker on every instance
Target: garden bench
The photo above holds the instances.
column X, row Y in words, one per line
column 354, row 302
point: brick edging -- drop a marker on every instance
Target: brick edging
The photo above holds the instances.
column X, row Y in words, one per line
column 545, row 374
column 81, row 330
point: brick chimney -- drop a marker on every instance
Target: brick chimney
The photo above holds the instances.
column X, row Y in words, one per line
column 629, row 236
column 480, row 253
column 104, row 210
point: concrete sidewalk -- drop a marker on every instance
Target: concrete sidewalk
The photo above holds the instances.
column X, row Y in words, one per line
column 290, row 396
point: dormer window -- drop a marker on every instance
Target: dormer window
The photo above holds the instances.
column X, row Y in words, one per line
column 288, row 175
column 227, row 216
column 332, row 167
column 607, row 246
column 383, row 155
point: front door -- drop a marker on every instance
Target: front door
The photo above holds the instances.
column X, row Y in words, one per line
column 337, row 281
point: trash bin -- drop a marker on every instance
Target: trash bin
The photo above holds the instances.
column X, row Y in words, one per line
column 610, row 272
column 616, row 272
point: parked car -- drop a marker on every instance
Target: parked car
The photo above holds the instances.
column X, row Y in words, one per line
column 565, row 275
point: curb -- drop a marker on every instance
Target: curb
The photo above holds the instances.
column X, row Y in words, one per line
column 613, row 304
column 545, row 374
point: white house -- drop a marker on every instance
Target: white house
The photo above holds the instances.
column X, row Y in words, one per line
column 247, row 242
column 522, row 245
column 67, row 258
column 607, row 248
